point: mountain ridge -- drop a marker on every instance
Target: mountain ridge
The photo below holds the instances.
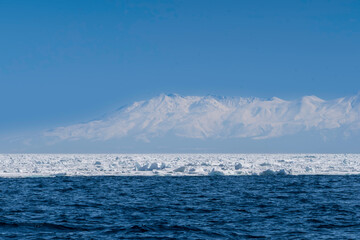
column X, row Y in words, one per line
column 218, row 117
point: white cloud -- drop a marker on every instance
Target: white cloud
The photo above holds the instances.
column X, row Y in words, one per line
column 215, row 117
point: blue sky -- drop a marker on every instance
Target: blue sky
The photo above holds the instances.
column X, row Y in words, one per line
column 62, row 62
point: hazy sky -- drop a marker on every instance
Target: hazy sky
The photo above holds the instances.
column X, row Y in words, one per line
column 62, row 62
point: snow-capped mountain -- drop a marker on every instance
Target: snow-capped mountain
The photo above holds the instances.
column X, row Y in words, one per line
column 219, row 117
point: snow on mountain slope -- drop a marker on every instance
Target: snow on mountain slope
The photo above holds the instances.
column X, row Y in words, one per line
column 218, row 117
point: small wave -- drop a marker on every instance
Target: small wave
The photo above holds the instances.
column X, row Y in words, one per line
column 270, row 172
column 156, row 228
column 50, row 226
column 331, row 226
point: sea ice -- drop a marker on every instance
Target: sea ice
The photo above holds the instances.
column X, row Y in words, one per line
column 29, row 165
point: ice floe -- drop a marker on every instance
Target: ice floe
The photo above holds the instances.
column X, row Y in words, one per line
column 32, row 165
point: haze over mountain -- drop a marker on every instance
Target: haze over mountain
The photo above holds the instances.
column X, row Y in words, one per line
column 212, row 117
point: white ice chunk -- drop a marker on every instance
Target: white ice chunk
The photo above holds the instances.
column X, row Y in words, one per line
column 27, row 165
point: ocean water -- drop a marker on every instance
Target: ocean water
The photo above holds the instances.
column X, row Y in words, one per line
column 206, row 207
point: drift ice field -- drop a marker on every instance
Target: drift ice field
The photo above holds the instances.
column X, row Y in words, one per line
column 45, row 165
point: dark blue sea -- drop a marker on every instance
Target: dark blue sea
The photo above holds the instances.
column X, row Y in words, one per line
column 219, row 207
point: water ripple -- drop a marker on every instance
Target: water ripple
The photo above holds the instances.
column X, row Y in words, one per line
column 217, row 207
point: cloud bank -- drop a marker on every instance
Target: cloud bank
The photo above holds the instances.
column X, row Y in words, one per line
column 210, row 117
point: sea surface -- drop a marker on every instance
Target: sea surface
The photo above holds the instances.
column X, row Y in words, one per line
column 206, row 207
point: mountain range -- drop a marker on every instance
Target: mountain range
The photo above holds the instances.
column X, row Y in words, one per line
column 213, row 117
